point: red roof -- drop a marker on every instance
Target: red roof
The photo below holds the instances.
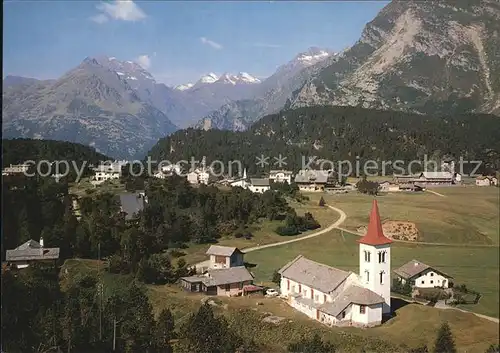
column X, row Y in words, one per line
column 375, row 235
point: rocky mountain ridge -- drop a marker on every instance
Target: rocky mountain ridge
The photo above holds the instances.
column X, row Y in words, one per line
column 424, row 57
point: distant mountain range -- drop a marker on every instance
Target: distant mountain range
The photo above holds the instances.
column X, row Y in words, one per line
column 422, row 57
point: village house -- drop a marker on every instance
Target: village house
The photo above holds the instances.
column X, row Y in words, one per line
column 387, row 186
column 241, row 182
column 200, row 176
column 280, row 176
column 312, row 180
column 15, row 169
column 259, row 185
column 343, row 298
column 420, row 275
column 486, row 181
column 226, row 274
column 29, row 252
column 131, row 204
column 224, row 257
column 167, row 171
column 108, row 171
column 426, row 179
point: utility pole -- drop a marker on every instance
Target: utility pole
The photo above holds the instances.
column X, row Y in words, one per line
column 100, row 289
column 114, row 334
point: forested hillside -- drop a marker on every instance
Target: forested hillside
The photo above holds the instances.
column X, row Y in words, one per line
column 341, row 133
column 19, row 150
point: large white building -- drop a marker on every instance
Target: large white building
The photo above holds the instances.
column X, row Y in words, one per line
column 108, row 171
column 336, row 297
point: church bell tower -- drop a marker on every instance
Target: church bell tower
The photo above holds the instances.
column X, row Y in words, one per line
column 375, row 259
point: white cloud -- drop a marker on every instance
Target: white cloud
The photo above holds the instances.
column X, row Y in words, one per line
column 124, row 10
column 144, row 61
column 213, row 44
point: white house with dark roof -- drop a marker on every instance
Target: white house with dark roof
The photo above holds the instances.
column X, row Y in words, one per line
column 337, row 297
column 312, row 180
column 280, row 176
column 259, row 185
column 420, row 275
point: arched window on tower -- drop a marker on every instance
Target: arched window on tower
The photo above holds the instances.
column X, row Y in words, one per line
column 367, row 276
column 381, row 257
column 367, row 256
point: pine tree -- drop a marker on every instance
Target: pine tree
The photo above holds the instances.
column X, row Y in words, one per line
column 164, row 331
column 421, row 349
column 444, row 341
column 322, row 202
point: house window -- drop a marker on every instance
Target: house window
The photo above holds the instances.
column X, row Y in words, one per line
column 287, row 284
column 362, row 309
column 423, row 282
column 343, row 314
column 227, row 287
column 300, row 288
column 312, row 293
column 220, row 259
column 432, row 274
column 381, row 277
column 367, row 276
column 240, row 285
column 432, row 281
column 367, row 256
column 324, row 298
column 316, row 298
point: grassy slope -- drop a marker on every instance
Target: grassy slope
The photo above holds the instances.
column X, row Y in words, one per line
column 263, row 232
column 465, row 215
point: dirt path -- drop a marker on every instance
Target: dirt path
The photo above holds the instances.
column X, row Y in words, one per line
column 332, row 226
column 435, row 193
column 441, row 305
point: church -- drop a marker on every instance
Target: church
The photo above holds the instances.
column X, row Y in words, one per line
column 343, row 298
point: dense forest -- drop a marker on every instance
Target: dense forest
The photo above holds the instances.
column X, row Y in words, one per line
column 176, row 214
column 16, row 151
column 341, row 133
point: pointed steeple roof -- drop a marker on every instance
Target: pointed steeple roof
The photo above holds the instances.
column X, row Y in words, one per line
column 375, row 234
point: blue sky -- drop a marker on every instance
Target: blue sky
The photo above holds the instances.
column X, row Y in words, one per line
column 177, row 41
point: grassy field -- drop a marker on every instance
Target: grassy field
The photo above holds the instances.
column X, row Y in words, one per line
column 80, row 189
column 465, row 215
column 477, row 267
column 263, row 232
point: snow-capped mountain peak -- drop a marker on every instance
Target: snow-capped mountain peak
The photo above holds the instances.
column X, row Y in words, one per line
column 228, row 78
column 209, row 78
column 312, row 56
column 246, row 77
column 184, row 87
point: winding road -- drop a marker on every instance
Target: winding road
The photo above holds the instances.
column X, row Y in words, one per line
column 332, row 226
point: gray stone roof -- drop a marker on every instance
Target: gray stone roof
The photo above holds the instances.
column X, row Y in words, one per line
column 351, row 295
column 221, row 250
column 437, row 175
column 312, row 176
column 228, row 275
column 222, row 276
column 414, row 268
column 31, row 250
column 286, row 172
column 314, row 274
column 131, row 204
column 259, row 181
